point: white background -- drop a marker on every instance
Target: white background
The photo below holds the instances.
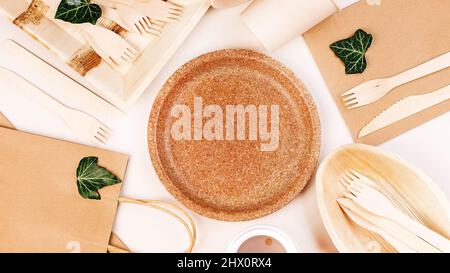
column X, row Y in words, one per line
column 144, row 230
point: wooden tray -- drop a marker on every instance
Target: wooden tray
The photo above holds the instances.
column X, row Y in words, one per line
column 120, row 87
column 229, row 179
column 420, row 197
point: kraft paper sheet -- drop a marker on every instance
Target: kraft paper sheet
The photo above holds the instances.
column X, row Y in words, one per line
column 39, row 201
column 406, row 33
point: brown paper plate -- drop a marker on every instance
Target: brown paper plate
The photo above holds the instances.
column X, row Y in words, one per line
column 208, row 165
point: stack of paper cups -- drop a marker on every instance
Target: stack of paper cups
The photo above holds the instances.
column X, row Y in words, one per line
column 276, row 22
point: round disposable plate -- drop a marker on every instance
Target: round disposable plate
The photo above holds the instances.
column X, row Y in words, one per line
column 234, row 135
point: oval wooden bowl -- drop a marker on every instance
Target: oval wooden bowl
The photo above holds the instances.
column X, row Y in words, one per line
column 421, row 197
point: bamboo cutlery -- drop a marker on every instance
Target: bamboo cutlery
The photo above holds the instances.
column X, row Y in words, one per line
column 81, row 123
column 155, row 9
column 361, row 219
column 372, row 91
column 375, row 207
column 405, row 108
column 15, row 78
column 141, row 17
column 129, row 19
column 109, row 45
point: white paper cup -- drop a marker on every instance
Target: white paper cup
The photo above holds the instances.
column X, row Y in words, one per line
column 263, row 230
column 276, row 22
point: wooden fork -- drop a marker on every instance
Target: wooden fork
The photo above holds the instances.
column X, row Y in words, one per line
column 130, row 19
column 376, row 203
column 374, row 90
column 109, row 45
column 81, row 123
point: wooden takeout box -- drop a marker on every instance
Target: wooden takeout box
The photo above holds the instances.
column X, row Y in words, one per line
column 120, row 87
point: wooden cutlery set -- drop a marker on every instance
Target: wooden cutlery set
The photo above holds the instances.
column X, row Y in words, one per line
column 369, row 200
column 120, row 52
column 373, row 201
column 136, row 16
column 14, row 77
column 405, row 82
column 105, row 54
column 362, row 191
column 372, row 91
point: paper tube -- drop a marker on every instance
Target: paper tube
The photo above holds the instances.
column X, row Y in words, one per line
column 276, row 22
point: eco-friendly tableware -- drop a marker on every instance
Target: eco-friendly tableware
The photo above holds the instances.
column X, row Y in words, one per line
column 391, row 53
column 229, row 166
column 110, row 46
column 43, row 178
column 154, row 9
column 405, row 108
column 120, row 86
column 410, row 242
column 131, row 20
column 421, row 199
column 270, row 234
column 43, row 171
column 276, row 22
column 361, row 221
column 113, row 15
column 372, row 91
column 80, row 123
column 375, row 202
column 43, row 75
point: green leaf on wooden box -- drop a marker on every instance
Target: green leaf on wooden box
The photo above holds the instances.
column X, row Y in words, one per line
column 352, row 51
column 91, row 178
column 78, row 11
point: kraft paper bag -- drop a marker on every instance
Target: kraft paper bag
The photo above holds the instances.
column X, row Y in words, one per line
column 40, row 207
column 406, row 33
column 4, row 122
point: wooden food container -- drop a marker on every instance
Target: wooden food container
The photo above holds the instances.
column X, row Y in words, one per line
column 420, row 197
column 121, row 87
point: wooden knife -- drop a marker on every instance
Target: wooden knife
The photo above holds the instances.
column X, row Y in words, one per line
column 405, row 108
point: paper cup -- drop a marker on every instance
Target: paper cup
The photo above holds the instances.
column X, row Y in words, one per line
column 276, row 22
column 276, row 236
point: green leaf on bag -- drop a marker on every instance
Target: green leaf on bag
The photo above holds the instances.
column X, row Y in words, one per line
column 78, row 11
column 91, row 178
column 352, row 51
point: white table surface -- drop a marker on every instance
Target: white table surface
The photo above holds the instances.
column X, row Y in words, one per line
column 144, row 230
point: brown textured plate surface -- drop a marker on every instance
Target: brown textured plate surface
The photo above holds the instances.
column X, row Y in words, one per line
column 229, row 179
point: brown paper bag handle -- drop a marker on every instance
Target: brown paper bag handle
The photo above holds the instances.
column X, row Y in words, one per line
column 168, row 208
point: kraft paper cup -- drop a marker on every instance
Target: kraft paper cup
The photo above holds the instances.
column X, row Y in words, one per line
column 276, row 22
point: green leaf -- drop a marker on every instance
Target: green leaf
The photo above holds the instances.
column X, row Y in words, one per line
column 78, row 11
column 91, row 178
column 352, row 51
